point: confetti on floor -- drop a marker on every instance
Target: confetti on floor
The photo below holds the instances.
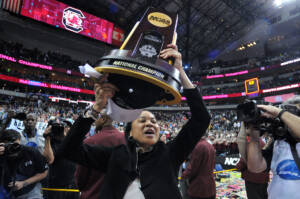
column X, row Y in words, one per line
column 230, row 185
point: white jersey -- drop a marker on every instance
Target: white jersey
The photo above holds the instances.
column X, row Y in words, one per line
column 16, row 125
column 134, row 190
column 38, row 141
column 286, row 175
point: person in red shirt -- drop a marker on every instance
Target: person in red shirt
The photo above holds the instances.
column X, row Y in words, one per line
column 199, row 171
column 256, row 183
column 90, row 180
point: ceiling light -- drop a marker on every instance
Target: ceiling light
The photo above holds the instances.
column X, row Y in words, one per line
column 279, row 3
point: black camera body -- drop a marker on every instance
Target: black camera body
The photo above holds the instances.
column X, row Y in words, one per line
column 57, row 129
column 249, row 113
column 12, row 148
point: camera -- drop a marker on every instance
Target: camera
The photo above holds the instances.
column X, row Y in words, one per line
column 57, row 129
column 11, row 148
column 291, row 108
column 249, row 113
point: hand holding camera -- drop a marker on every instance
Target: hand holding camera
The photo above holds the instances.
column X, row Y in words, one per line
column 268, row 119
column 269, row 111
column 18, row 185
column 9, row 148
column 47, row 131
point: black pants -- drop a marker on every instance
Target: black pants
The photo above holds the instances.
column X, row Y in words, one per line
column 256, row 190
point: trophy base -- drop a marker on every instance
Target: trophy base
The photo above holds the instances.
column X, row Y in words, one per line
column 141, row 84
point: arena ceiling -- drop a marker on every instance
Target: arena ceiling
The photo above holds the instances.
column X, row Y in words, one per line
column 205, row 27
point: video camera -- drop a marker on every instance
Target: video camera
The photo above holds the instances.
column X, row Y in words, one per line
column 57, row 129
column 249, row 113
column 11, row 148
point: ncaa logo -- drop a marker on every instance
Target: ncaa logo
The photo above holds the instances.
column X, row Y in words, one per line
column 72, row 19
column 288, row 170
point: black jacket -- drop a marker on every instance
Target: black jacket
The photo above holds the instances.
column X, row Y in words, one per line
column 157, row 170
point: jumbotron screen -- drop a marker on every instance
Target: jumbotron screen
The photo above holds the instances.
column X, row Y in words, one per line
column 66, row 17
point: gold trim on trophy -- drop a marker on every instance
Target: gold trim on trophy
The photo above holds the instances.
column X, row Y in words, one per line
column 167, row 87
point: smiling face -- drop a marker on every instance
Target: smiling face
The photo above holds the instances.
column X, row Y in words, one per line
column 145, row 129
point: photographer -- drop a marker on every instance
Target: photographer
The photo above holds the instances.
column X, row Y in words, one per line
column 283, row 158
column 22, row 168
column 61, row 171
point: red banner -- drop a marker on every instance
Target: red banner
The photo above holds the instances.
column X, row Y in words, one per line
column 66, row 17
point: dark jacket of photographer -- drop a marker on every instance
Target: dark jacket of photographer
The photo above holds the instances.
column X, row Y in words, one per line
column 157, row 169
column 28, row 163
column 8, row 169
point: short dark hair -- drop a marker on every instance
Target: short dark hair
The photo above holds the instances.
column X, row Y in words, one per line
column 9, row 135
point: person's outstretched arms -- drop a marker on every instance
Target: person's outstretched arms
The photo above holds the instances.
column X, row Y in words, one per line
column 172, row 51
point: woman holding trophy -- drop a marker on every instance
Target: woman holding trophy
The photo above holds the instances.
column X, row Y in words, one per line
column 145, row 167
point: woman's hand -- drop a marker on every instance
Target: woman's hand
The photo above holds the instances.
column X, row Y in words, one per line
column 172, row 51
column 103, row 91
column 270, row 111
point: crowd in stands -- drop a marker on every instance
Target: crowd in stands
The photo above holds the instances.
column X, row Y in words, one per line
column 44, row 110
column 275, row 81
column 29, row 73
column 280, row 81
column 43, row 92
column 55, row 59
column 220, row 67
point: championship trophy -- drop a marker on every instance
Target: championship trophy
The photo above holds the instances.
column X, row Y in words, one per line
column 144, row 79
